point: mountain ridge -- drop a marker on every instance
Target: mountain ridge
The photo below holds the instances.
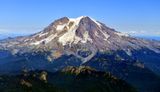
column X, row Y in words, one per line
column 80, row 42
column 88, row 80
column 82, row 37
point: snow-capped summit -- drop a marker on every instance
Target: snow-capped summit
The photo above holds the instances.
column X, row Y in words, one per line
column 78, row 40
column 84, row 31
column 67, row 31
column 70, row 31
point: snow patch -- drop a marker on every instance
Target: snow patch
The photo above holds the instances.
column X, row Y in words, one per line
column 76, row 20
column 26, row 40
column 105, row 35
column 36, row 43
column 50, row 38
column 96, row 34
column 46, row 40
column 42, row 34
column 70, row 36
column 121, row 34
column 60, row 27
column 128, row 52
column 86, row 37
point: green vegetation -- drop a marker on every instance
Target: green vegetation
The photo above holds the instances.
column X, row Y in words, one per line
column 70, row 79
column 133, row 71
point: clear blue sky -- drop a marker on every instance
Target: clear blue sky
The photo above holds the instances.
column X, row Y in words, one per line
column 140, row 17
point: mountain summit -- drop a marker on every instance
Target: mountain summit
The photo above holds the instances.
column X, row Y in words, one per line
column 77, row 40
